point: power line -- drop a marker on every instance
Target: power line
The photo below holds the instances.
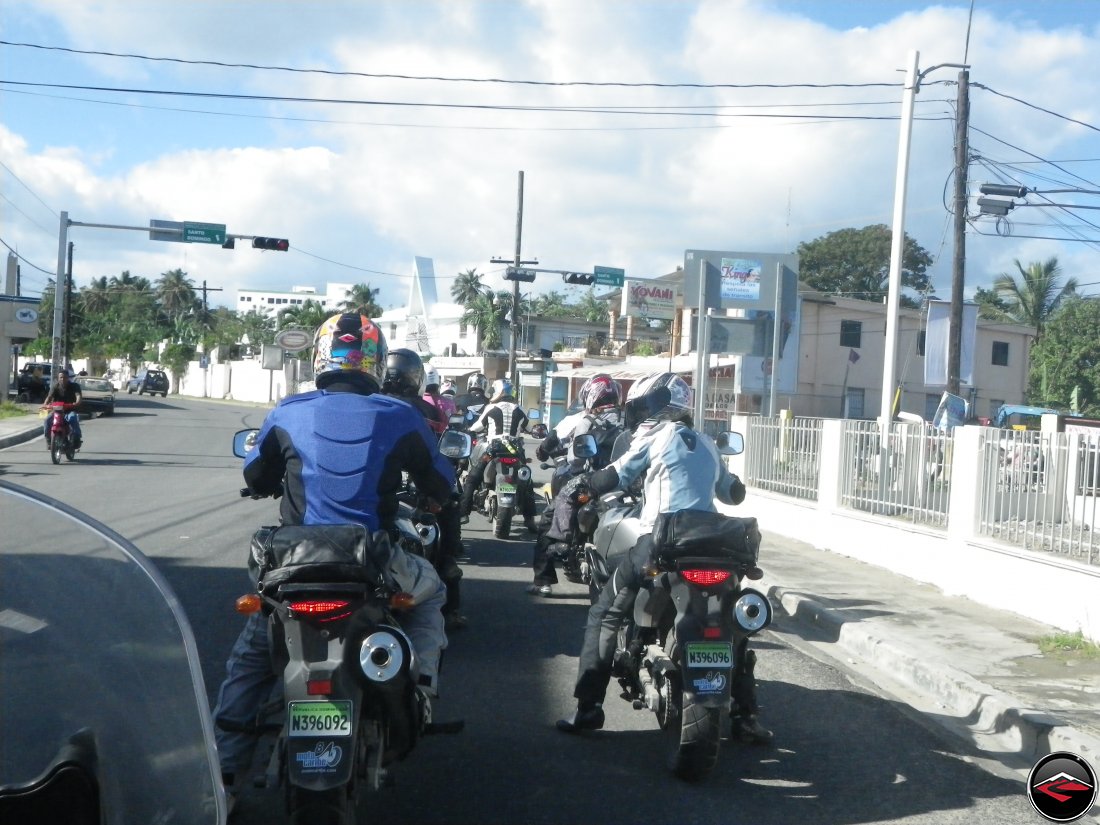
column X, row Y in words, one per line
column 1039, row 108
column 387, row 76
column 24, row 260
column 8, row 169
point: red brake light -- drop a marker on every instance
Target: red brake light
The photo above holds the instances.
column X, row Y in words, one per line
column 705, row 578
column 326, row 610
column 319, row 687
column 508, row 460
column 712, row 633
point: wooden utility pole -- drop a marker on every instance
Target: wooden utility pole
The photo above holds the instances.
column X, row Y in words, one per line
column 958, row 268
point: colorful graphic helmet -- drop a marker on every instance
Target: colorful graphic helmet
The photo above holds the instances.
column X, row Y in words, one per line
column 404, row 374
column 600, row 391
column 477, row 380
column 448, row 388
column 349, row 342
column 501, row 388
column 431, row 378
column 681, row 406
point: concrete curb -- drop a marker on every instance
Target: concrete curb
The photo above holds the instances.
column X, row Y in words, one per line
column 983, row 710
column 20, row 437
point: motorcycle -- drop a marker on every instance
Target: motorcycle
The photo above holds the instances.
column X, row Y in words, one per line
column 416, row 518
column 506, row 480
column 350, row 707
column 677, row 656
column 125, row 737
column 60, row 433
column 571, row 470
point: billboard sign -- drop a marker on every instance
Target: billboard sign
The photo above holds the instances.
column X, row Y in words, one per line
column 738, row 280
column 649, row 299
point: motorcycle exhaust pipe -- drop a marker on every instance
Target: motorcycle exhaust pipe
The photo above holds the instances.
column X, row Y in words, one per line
column 427, row 532
column 385, row 654
column 752, row 611
column 523, row 473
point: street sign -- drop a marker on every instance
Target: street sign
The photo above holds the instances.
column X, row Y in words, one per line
column 175, row 236
column 609, row 275
column 294, row 340
column 203, row 232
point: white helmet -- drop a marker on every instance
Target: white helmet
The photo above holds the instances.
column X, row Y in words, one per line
column 681, row 405
column 431, row 377
column 477, row 380
column 501, row 388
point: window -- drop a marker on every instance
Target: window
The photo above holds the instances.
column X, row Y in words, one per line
column 920, row 342
column 850, row 333
column 1000, row 353
column 461, row 330
column 271, row 300
column 853, row 403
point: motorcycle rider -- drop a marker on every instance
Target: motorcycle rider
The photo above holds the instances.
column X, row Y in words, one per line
column 444, row 403
column 683, row 471
column 67, row 391
column 294, row 454
column 600, row 396
column 500, row 417
column 475, row 399
column 405, row 377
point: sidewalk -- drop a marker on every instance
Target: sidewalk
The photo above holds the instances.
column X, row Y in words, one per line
column 975, row 670
column 18, row 429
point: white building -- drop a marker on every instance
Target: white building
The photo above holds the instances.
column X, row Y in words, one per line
column 275, row 301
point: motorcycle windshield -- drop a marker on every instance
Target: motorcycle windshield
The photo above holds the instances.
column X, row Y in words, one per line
column 98, row 661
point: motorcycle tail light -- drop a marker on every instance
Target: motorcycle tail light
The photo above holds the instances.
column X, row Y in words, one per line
column 249, row 604
column 508, row 460
column 712, row 633
column 704, row 577
column 319, row 687
column 325, row 610
column 402, row 601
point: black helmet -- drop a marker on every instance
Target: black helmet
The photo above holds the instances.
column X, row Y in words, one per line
column 404, row 374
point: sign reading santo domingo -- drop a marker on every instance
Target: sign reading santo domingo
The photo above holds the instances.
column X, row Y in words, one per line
column 649, row 299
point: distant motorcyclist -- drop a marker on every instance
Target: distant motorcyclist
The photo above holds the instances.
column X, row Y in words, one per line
column 600, row 415
column 337, row 455
column 434, row 396
column 474, row 400
column 683, row 471
column 502, row 416
column 66, row 391
column 405, row 378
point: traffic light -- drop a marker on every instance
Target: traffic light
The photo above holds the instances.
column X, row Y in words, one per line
column 579, row 278
column 513, row 274
column 995, row 206
column 1003, row 189
column 278, row 244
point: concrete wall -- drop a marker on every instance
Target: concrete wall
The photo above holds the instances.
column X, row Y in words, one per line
column 1047, row 588
column 237, row 381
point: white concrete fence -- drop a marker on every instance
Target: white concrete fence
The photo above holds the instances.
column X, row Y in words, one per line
column 965, row 513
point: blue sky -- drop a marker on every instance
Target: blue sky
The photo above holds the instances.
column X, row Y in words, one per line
column 806, row 144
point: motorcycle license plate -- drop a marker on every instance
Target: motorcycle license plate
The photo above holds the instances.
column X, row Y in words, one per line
column 319, row 718
column 505, row 487
column 710, row 654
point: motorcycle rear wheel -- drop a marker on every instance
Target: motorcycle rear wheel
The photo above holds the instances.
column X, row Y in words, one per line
column 693, row 731
column 503, row 524
column 329, row 807
column 57, row 447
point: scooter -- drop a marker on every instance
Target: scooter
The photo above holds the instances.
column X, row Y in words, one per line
column 60, row 433
column 678, row 656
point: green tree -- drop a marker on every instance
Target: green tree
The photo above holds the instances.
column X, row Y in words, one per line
column 177, row 357
column 990, row 306
column 308, row 315
column 362, row 299
column 591, row 308
column 258, row 326
column 485, row 313
column 467, row 287
column 855, row 263
column 1033, row 297
column 1068, row 356
column 176, row 294
column 551, row 305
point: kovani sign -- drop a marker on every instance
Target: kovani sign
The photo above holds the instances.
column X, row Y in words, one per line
column 649, row 299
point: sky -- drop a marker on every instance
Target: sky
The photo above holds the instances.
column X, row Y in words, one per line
column 369, row 132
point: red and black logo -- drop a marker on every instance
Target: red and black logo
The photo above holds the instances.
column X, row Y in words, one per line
column 1062, row 787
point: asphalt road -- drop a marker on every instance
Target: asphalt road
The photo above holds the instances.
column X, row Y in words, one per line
column 160, row 472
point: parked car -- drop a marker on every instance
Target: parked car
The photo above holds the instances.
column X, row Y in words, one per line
column 148, row 381
column 97, row 395
column 33, row 382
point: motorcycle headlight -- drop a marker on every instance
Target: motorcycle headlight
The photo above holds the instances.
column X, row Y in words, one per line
column 523, row 473
column 752, row 611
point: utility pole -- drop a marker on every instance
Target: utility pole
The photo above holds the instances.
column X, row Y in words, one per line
column 67, row 341
column 958, row 268
column 516, row 263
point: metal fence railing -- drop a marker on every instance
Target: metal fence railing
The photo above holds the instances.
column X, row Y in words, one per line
column 1040, row 491
column 916, row 484
column 784, row 455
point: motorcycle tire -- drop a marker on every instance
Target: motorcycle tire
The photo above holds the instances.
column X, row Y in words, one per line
column 503, row 524
column 57, row 447
column 331, row 807
column 70, row 453
column 693, row 731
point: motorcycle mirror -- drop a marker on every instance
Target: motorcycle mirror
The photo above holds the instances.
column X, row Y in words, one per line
column 730, row 443
column 534, row 415
column 456, row 445
column 243, row 441
column 583, row 446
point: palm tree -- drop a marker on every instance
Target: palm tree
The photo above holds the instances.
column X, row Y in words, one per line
column 176, row 293
column 485, row 313
column 96, row 297
column 128, row 283
column 1036, row 295
column 551, row 305
column 308, row 315
column 362, row 299
column 467, row 287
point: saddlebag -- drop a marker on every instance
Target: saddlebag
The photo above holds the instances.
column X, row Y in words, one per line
column 317, row 553
column 700, row 533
